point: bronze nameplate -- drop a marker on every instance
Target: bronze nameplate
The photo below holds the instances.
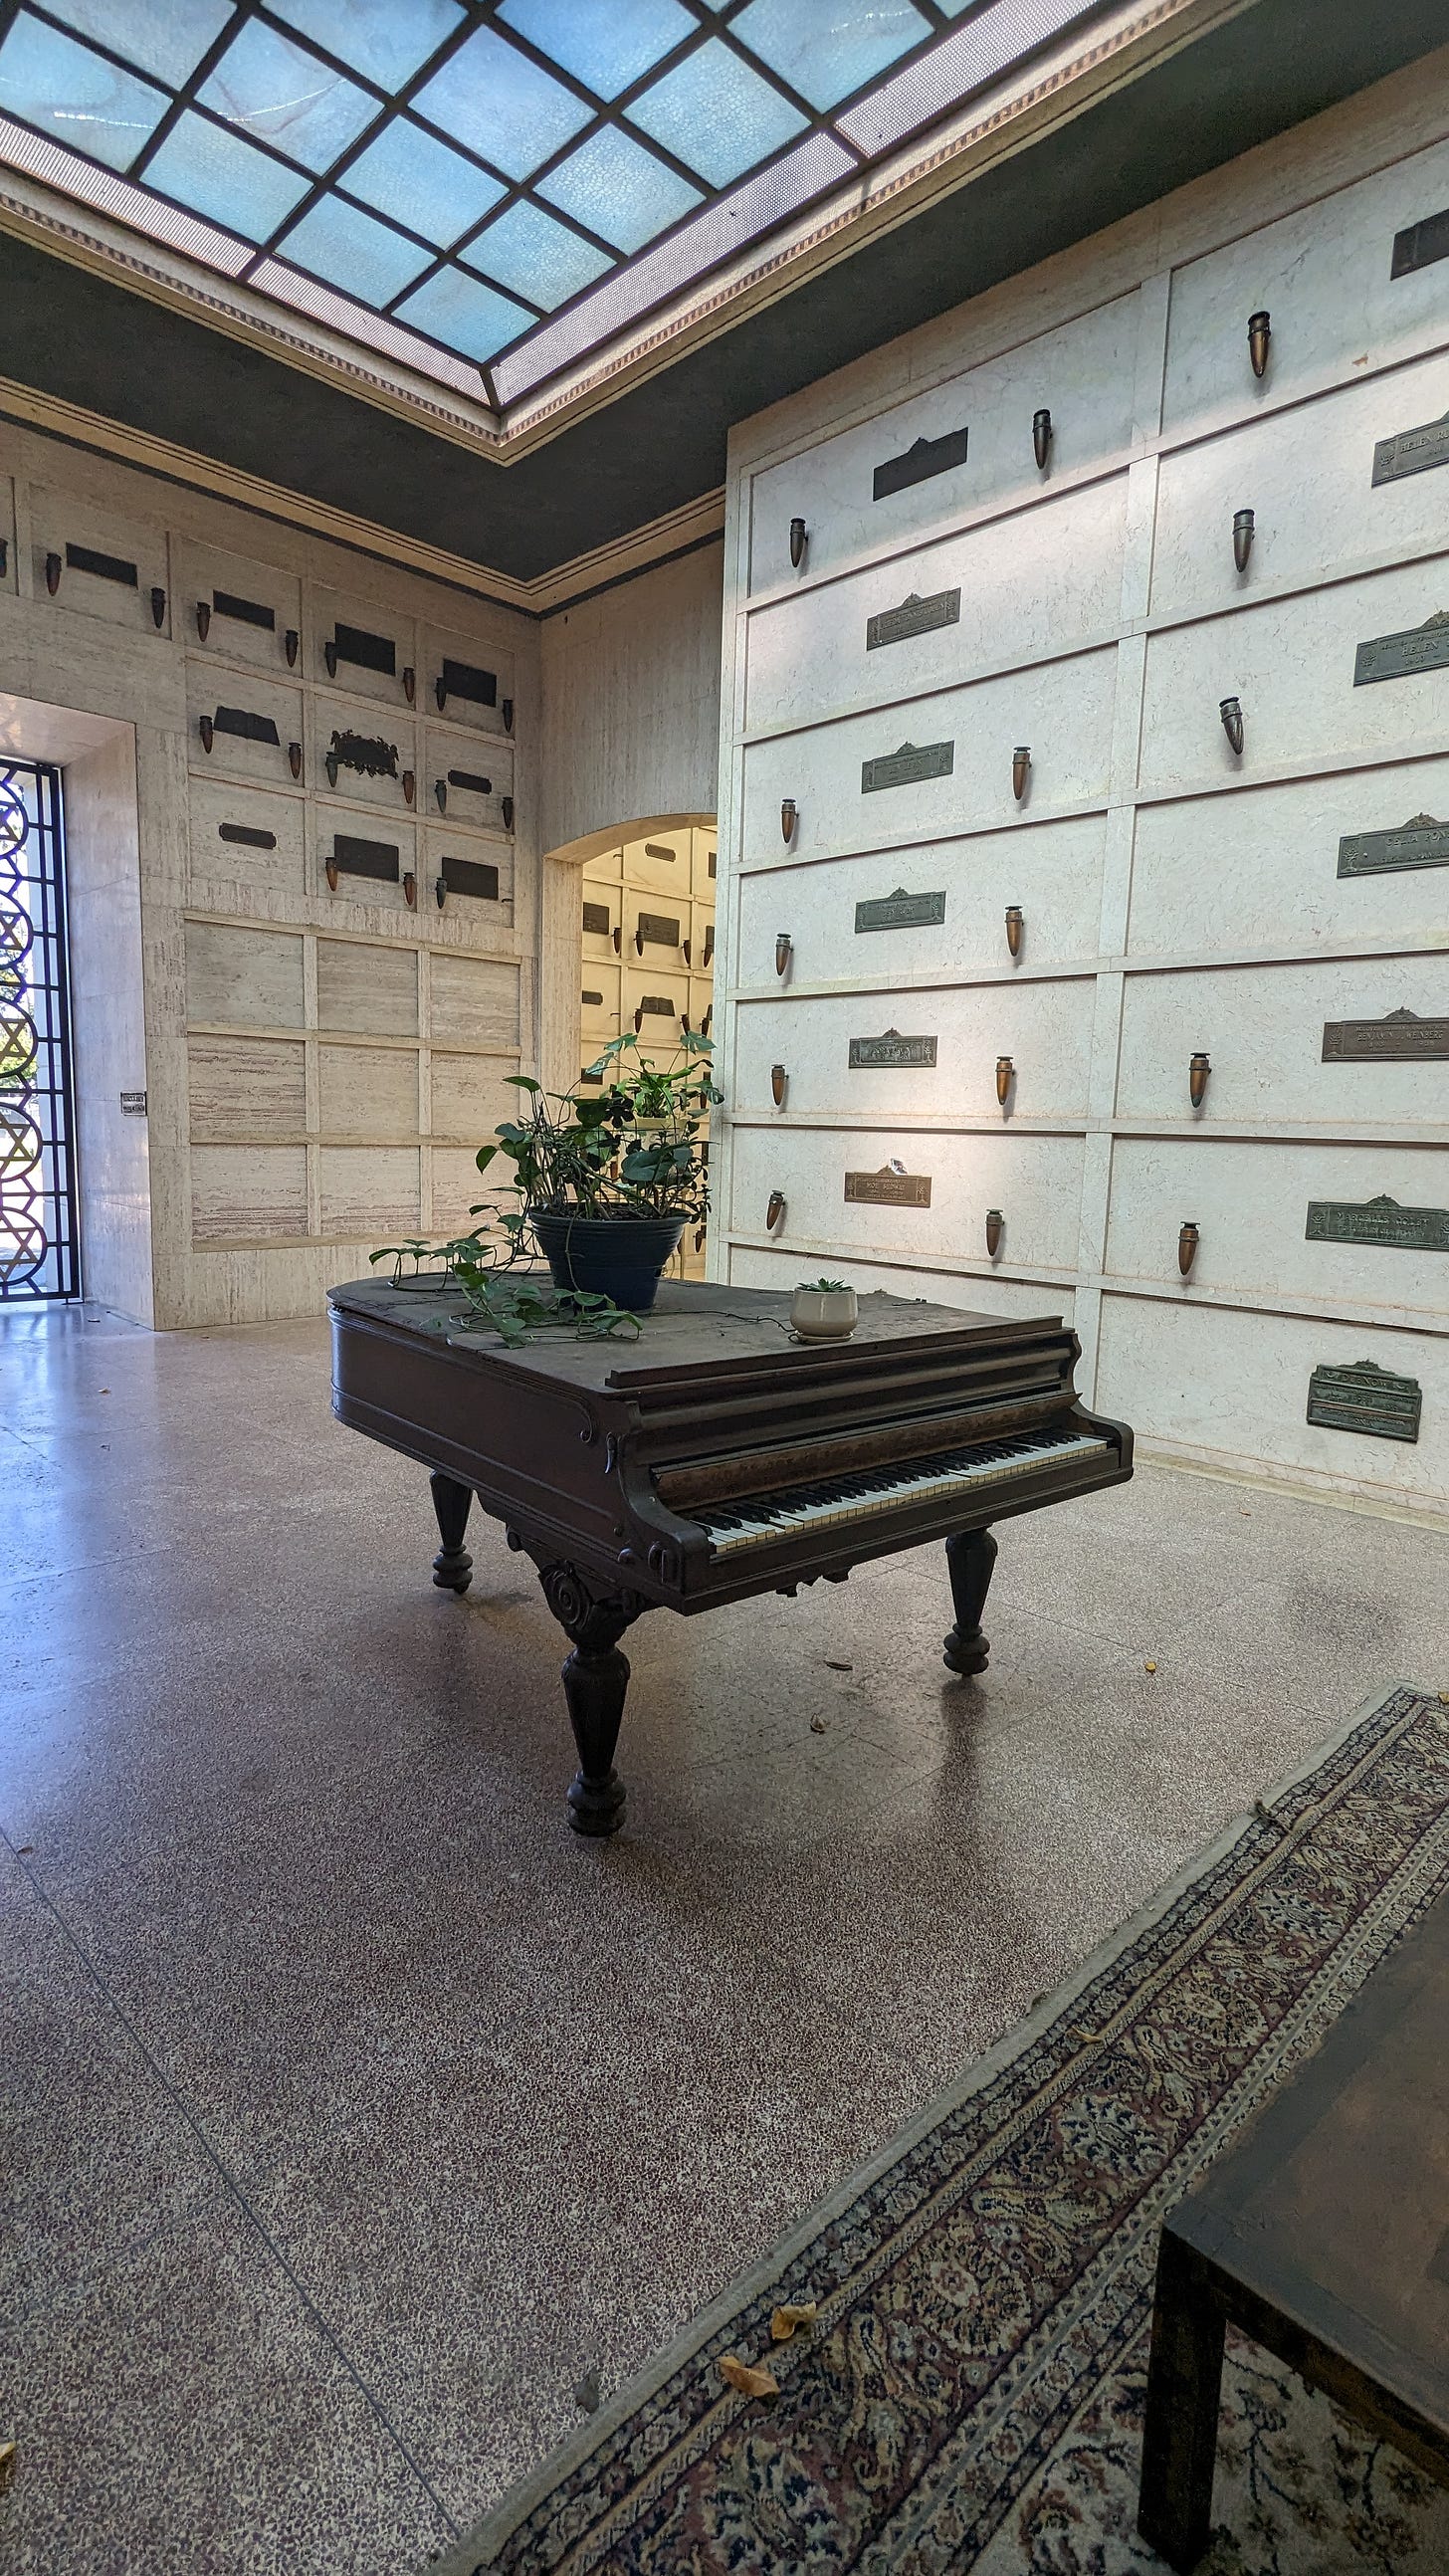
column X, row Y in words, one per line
column 476, row 877
column 1402, row 656
column 889, row 1188
column 891, row 1049
column 658, row 927
column 915, row 616
column 365, row 858
column 596, row 917
column 927, row 457
column 657, row 1003
column 1420, row 843
column 1380, row 1220
column 247, row 834
column 464, row 680
column 1365, row 1398
column 1412, row 451
column 1400, row 1038
column 903, row 767
column 1420, row 245
column 901, row 911
column 368, row 652
column 247, row 612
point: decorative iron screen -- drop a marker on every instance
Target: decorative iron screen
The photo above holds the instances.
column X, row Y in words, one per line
column 39, row 1251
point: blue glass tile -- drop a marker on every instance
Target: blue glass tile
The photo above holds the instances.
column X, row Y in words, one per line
column 606, row 46
column 368, row 260
column 527, row 250
column 385, row 41
column 825, row 52
column 74, row 97
column 464, row 314
column 716, row 114
column 167, row 37
column 618, row 189
column 266, row 85
column 495, row 100
column 210, row 169
column 409, row 174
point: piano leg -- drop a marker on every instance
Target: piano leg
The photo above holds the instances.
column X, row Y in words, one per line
column 595, row 1679
column 452, row 1566
column 970, row 1558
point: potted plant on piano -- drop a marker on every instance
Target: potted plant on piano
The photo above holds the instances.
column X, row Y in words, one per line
column 606, row 1177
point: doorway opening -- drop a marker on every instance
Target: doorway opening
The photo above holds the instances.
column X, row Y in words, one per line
column 39, row 1235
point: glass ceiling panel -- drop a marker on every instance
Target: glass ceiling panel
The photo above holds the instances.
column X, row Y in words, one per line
column 278, row 94
column 610, row 183
column 408, row 174
column 386, row 40
column 607, row 46
column 71, row 94
column 167, row 37
column 526, row 250
column 715, row 113
column 354, row 251
column 827, row 48
column 503, row 106
column 465, row 313
column 210, row 169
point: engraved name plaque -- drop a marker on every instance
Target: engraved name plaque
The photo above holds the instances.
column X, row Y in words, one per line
column 1367, row 1399
column 1401, row 656
column 658, row 927
column 247, row 612
column 596, row 917
column 889, row 1187
column 891, row 1049
column 927, row 457
column 1412, row 451
column 474, row 877
column 1380, row 1220
column 1420, row 245
column 915, row 616
column 1399, row 1038
column 1420, row 843
column 368, row 652
column 901, row 911
column 903, row 767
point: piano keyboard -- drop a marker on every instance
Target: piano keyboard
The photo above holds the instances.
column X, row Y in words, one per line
column 756, row 1518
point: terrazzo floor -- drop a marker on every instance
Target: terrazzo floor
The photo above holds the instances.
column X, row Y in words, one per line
column 357, row 2111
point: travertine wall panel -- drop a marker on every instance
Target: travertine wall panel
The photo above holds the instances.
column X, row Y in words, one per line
column 243, row 978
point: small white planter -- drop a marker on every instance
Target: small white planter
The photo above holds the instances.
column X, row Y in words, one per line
column 824, row 1314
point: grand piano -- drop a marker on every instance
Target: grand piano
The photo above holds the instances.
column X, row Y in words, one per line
column 715, row 1457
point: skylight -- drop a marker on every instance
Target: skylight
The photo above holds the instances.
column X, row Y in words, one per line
column 498, row 185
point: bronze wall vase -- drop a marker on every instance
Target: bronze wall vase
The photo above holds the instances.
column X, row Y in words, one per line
column 797, row 542
column 1041, row 438
column 1199, row 1067
column 1015, row 926
column 1260, row 335
column 1231, row 712
column 1005, row 1077
column 1187, row 1240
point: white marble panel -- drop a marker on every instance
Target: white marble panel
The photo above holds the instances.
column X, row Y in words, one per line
column 238, row 756
column 1082, row 372
column 219, row 810
column 1045, row 1028
column 1308, row 479
column 1034, row 1180
column 600, row 1004
column 1250, row 1205
column 1290, row 663
column 1234, row 1384
column 1215, row 871
column 1263, row 1028
column 1051, row 871
column 1061, row 711
column 753, row 1267
column 705, row 863
column 437, row 645
column 1322, row 274
column 326, row 610
column 204, row 574
column 1032, row 583
column 647, row 986
column 59, row 520
column 599, row 946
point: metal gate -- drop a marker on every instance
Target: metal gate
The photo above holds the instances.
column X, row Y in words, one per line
column 39, row 1248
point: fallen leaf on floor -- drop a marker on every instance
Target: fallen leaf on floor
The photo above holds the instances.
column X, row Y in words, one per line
column 832, row 1666
column 22, row 1848
column 750, row 2383
column 797, row 2312
column 817, row 1726
column 1444, row 1696
column 1149, row 1667
column 587, row 2392
column 105, row 1390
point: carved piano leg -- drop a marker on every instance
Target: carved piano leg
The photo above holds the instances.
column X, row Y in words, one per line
column 595, row 1678
column 970, row 1558
column 452, row 1566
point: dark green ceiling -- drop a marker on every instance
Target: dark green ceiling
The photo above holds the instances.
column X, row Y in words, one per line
column 68, row 332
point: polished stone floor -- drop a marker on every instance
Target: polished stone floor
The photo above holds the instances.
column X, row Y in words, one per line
column 356, row 2111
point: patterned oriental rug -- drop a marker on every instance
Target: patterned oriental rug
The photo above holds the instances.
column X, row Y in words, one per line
column 970, row 2393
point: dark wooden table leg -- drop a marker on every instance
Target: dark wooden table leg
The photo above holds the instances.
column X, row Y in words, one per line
column 595, row 1679
column 1180, row 2434
column 452, row 1566
column 970, row 1558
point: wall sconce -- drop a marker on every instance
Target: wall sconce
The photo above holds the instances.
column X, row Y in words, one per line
column 1260, row 332
column 1243, row 528
column 994, row 1227
column 158, row 605
column 774, row 1211
column 1197, row 1078
column 291, row 642
column 410, row 683
column 1231, row 711
column 1186, row 1248
column 1020, row 770
column 778, row 1079
column 1041, row 438
column 203, row 618
column 410, row 890
column 52, row 574
column 789, row 817
column 784, row 950
column 1015, row 925
column 1005, row 1077
column 797, row 542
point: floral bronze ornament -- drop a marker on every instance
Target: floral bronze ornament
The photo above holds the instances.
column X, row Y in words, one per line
column 1197, row 1078
column 1005, row 1077
column 203, row 618
column 1186, row 1247
column 789, row 817
column 995, row 1225
column 778, row 1080
column 774, row 1210
column 1015, row 925
column 1020, row 770
column 1231, row 711
column 1260, row 333
column 368, row 754
column 1041, row 438
column 797, row 542
column 1244, row 525
column 784, row 951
